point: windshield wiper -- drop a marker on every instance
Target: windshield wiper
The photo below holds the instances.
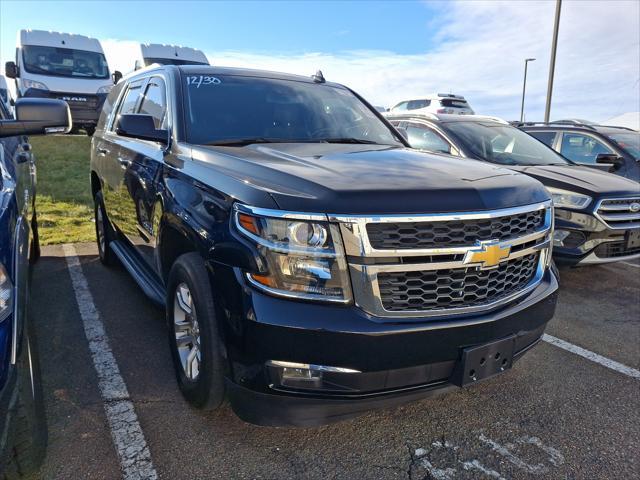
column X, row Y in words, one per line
column 347, row 140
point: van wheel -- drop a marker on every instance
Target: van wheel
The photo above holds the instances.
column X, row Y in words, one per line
column 193, row 333
column 104, row 233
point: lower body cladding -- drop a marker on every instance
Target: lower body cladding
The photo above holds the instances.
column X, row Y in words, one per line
column 583, row 239
column 85, row 108
column 304, row 364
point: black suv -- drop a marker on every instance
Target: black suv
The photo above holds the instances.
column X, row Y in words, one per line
column 311, row 265
column 597, row 214
column 612, row 149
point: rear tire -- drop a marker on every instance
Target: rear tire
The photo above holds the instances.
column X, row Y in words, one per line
column 104, row 233
column 193, row 333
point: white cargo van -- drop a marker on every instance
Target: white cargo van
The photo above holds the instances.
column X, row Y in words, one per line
column 169, row 55
column 64, row 66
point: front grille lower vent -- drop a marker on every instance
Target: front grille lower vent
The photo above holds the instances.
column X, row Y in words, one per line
column 457, row 287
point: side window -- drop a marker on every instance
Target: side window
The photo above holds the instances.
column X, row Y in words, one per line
column 154, row 102
column 401, row 107
column 424, row 138
column 545, row 137
column 582, row 148
column 416, row 104
column 130, row 99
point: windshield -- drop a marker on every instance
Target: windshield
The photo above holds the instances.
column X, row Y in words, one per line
column 629, row 141
column 504, row 144
column 224, row 108
column 64, row 62
column 171, row 61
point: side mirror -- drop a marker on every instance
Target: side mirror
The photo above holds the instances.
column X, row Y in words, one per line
column 37, row 116
column 610, row 159
column 135, row 125
column 116, row 76
column 11, row 70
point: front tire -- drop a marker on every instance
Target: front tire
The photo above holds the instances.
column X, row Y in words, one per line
column 193, row 333
column 104, row 233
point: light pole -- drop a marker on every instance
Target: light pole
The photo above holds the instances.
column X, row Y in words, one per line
column 524, row 86
column 552, row 62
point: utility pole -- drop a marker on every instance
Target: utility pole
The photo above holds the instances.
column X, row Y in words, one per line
column 552, row 64
column 524, row 86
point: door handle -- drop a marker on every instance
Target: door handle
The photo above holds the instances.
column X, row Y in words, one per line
column 102, row 152
column 124, row 162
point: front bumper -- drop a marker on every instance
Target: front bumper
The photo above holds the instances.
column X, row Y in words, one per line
column 85, row 108
column 590, row 241
column 394, row 363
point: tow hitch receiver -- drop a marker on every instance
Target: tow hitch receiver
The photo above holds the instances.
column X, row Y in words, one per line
column 483, row 361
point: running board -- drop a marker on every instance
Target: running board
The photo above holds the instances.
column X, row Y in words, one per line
column 140, row 273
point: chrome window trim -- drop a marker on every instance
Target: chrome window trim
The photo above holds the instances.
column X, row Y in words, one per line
column 627, row 226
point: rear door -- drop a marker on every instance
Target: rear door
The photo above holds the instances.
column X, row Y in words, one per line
column 583, row 148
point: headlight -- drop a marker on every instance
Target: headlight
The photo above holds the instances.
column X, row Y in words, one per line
column 302, row 258
column 6, row 294
column 33, row 84
column 567, row 199
column 105, row 89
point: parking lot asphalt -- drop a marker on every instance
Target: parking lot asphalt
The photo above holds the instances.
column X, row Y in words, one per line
column 554, row 415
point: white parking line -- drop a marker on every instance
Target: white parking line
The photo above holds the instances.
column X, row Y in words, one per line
column 594, row 357
column 128, row 438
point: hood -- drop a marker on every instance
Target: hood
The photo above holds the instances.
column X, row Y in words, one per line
column 369, row 179
column 589, row 181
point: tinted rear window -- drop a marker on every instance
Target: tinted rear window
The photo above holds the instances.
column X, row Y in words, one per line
column 545, row 137
column 451, row 103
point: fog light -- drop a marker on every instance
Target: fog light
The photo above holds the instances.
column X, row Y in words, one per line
column 559, row 236
column 289, row 373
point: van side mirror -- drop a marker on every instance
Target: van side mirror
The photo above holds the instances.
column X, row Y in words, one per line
column 37, row 116
column 610, row 159
column 11, row 70
column 135, row 125
column 116, row 76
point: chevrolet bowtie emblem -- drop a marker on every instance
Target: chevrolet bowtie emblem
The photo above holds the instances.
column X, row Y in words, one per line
column 489, row 254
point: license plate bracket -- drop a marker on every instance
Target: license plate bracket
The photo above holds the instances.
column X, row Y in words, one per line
column 484, row 361
column 632, row 239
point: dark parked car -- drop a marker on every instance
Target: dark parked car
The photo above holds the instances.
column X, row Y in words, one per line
column 23, row 432
column 597, row 214
column 612, row 149
column 311, row 265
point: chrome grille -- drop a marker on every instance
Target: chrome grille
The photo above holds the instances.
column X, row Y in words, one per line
column 618, row 213
column 453, row 233
column 417, row 266
column 454, row 287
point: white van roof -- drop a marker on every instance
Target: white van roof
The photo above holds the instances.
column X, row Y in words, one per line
column 58, row 39
column 158, row 50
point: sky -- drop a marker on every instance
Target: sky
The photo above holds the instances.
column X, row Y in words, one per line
column 387, row 51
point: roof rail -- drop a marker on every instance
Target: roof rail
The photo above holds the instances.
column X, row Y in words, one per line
column 618, row 126
column 517, row 123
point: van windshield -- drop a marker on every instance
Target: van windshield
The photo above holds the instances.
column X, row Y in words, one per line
column 504, row 144
column 64, row 62
column 236, row 110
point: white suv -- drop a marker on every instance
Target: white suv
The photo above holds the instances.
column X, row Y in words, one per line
column 436, row 103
